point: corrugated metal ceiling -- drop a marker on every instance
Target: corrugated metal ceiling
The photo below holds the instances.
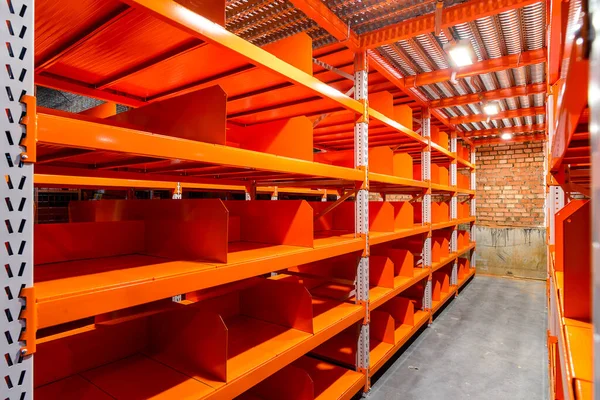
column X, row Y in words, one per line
column 511, row 32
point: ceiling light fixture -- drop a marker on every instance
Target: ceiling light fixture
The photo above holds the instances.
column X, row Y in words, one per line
column 491, row 109
column 506, row 136
column 460, row 53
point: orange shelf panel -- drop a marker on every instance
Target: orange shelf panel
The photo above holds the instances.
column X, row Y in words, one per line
column 436, row 187
column 579, row 340
column 248, row 342
column 145, row 379
column 437, row 304
column 462, row 281
column 115, row 180
column 403, row 333
column 64, row 294
column 380, row 181
column 308, row 379
column 382, row 237
column 58, row 130
column 342, row 349
column 464, row 162
column 330, row 381
column 439, row 149
column 379, row 295
column 464, row 250
column 71, row 388
column 448, row 224
column 443, row 262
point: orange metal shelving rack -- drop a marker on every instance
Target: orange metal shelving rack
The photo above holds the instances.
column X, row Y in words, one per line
column 96, row 315
column 571, row 272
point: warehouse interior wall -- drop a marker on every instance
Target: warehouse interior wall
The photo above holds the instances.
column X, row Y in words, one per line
column 510, row 230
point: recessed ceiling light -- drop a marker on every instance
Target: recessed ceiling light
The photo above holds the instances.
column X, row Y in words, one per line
column 461, row 55
column 506, row 136
column 491, row 109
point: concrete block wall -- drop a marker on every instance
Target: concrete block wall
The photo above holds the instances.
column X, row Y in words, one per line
column 510, row 210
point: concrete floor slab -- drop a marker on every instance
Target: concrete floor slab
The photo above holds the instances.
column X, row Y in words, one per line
column 489, row 343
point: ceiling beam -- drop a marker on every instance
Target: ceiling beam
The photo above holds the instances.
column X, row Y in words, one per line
column 391, row 74
column 520, row 112
column 481, row 67
column 499, row 94
column 516, row 139
column 425, row 24
column 326, row 19
column 515, row 130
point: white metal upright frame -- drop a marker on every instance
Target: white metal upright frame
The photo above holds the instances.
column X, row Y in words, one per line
column 361, row 161
column 16, row 189
column 426, row 206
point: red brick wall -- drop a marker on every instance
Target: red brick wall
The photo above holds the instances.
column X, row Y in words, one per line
column 510, row 185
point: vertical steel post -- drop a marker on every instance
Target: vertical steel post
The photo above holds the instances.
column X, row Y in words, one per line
column 594, row 104
column 361, row 161
column 473, row 207
column 454, row 208
column 426, row 206
column 250, row 193
column 178, row 193
column 18, row 144
column 556, row 202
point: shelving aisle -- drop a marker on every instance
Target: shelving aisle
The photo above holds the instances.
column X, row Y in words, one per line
column 570, row 268
column 211, row 298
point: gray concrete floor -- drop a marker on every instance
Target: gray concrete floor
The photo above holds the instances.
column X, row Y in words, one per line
column 489, row 343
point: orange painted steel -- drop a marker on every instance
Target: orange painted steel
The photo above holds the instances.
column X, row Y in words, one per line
column 452, row 16
column 379, row 64
column 202, row 28
column 325, row 18
column 520, row 112
column 224, row 359
column 515, row 130
column 570, row 108
column 487, row 66
column 74, row 133
column 246, row 334
column 514, row 139
column 499, row 94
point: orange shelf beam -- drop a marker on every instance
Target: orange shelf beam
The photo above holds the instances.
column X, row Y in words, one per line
column 68, row 132
column 177, row 15
column 69, row 299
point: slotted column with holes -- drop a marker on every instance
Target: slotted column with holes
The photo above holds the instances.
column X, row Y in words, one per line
column 18, row 145
column 361, row 161
column 473, row 207
column 454, row 210
column 426, row 206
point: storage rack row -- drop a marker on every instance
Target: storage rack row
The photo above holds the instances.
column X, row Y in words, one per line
column 219, row 298
column 572, row 275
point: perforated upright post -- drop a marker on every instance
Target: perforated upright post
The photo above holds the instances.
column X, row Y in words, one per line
column 18, row 145
column 473, row 207
column 426, row 206
column 361, row 161
column 556, row 201
column 454, row 208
